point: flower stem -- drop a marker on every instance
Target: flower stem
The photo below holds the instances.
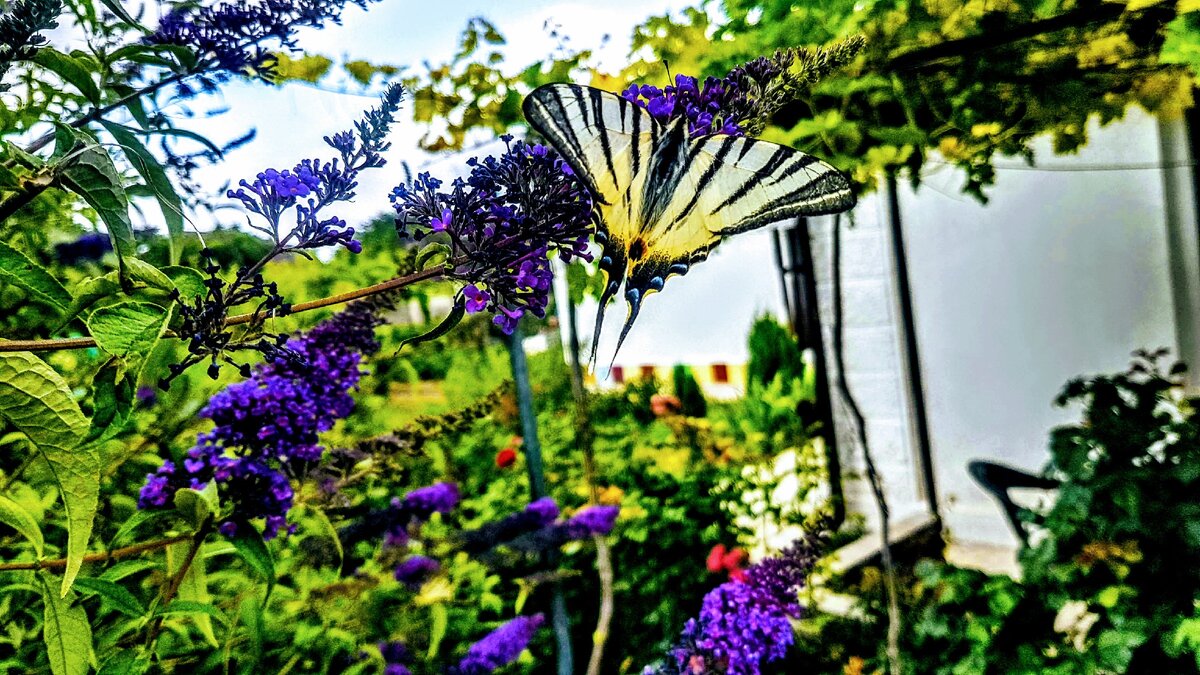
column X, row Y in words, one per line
column 97, row 557
column 389, row 285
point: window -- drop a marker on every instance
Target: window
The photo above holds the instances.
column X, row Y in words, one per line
column 720, row 373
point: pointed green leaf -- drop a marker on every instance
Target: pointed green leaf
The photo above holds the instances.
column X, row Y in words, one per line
column 128, row 568
column 20, row 271
column 66, row 632
column 72, row 70
column 151, row 171
column 128, row 330
column 38, row 402
column 197, row 506
column 251, row 547
column 25, row 159
column 436, row 251
column 116, row 8
column 93, row 176
column 115, row 595
column 125, row 662
column 452, row 319
column 193, row 590
column 143, row 272
column 20, row 519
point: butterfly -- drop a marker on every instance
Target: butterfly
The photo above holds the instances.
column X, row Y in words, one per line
column 665, row 200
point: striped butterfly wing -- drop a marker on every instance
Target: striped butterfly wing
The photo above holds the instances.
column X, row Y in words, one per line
column 665, row 200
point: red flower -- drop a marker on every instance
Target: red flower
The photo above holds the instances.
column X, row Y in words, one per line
column 506, row 458
column 716, row 559
column 734, row 559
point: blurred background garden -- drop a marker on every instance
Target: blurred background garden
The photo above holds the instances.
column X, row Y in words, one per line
column 955, row 420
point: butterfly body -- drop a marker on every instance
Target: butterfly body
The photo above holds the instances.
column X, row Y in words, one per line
column 666, row 200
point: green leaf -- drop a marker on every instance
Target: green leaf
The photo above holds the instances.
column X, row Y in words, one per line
column 452, row 319
column 114, row 594
column 135, row 521
column 151, row 171
column 93, row 176
column 128, row 330
column 439, row 621
column 148, row 274
column 20, row 519
column 128, row 568
column 436, row 251
column 251, row 547
column 117, row 9
column 197, row 506
column 327, row 529
column 25, row 159
column 66, row 632
column 113, row 394
column 188, row 281
column 72, row 70
column 125, row 662
column 192, row 597
column 20, row 271
column 38, row 402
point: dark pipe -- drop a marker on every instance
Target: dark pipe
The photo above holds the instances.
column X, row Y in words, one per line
column 911, row 354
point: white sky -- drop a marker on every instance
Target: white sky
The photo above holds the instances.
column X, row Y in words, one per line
column 291, row 120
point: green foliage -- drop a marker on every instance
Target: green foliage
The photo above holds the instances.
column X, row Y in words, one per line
column 1107, row 587
column 687, row 390
column 773, row 351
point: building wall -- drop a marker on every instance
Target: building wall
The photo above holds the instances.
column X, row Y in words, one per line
column 1070, row 267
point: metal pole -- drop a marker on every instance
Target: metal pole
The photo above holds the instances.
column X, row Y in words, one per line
column 537, row 487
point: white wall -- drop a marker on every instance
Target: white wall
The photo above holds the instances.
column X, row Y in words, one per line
column 1065, row 272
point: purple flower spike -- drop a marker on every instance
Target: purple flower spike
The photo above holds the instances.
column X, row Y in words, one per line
column 416, row 570
column 544, row 509
column 436, row 498
column 500, row 647
column 592, row 520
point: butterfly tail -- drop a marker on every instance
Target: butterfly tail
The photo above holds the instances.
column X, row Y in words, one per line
column 613, row 264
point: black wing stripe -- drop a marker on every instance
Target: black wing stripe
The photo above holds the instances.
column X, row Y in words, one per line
column 707, row 176
column 801, row 162
column 777, row 159
column 602, row 131
column 743, row 190
column 747, row 146
column 635, row 145
column 827, row 194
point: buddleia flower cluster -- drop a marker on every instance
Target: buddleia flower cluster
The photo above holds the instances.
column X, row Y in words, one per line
column 241, row 37
column 20, row 24
column 502, row 224
column 741, row 102
column 308, row 189
column 745, row 624
column 268, row 425
column 400, row 524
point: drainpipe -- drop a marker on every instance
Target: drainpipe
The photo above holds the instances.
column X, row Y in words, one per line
column 912, row 357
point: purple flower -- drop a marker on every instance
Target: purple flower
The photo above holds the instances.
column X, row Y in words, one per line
column 477, row 299
column 436, row 498
column 500, row 647
column 271, row 421
column 743, row 625
column 720, row 100
column 442, row 223
column 234, row 33
column 395, row 656
column 503, row 223
column 89, row 247
column 592, row 520
column 416, row 570
column 544, row 509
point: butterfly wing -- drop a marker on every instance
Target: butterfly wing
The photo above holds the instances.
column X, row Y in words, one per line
column 666, row 201
column 607, row 141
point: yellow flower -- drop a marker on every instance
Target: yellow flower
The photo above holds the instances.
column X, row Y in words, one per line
column 611, row 496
